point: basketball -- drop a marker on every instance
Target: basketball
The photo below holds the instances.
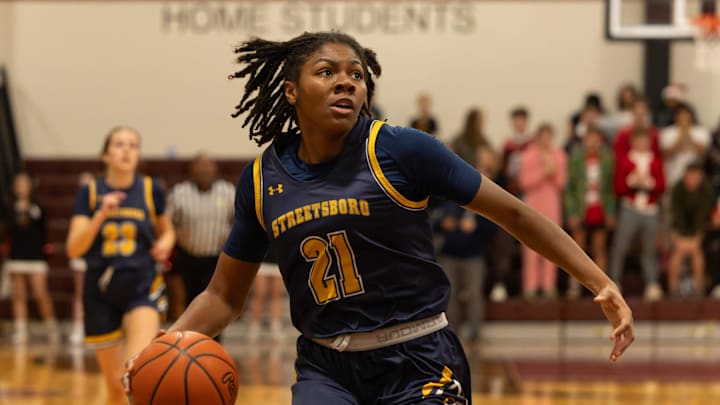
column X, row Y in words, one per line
column 184, row 367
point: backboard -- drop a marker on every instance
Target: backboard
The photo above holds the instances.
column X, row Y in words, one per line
column 654, row 19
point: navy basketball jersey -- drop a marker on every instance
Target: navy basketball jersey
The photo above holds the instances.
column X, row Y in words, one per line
column 125, row 238
column 354, row 253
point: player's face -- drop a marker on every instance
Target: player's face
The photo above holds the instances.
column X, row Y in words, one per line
column 123, row 151
column 330, row 91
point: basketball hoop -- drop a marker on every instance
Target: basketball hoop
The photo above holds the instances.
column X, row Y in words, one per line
column 707, row 42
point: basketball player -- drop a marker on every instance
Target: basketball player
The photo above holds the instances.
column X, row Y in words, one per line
column 119, row 226
column 339, row 200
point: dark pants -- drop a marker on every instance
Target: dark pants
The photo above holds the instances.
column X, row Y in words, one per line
column 196, row 272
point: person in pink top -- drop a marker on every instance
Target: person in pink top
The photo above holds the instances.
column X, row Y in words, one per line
column 542, row 177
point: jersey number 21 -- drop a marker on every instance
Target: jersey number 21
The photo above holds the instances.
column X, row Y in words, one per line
column 324, row 286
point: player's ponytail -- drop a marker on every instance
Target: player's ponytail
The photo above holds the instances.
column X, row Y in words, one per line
column 268, row 64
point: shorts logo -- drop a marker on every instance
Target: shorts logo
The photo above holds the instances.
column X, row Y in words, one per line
column 277, row 189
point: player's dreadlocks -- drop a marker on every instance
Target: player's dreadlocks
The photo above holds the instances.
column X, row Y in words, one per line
column 270, row 64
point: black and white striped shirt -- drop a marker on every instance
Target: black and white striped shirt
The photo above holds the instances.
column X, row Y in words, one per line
column 202, row 219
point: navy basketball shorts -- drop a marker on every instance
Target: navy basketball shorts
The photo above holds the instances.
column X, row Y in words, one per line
column 431, row 369
column 108, row 295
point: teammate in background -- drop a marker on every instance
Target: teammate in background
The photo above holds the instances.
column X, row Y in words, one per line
column 425, row 121
column 26, row 262
column 339, row 200
column 120, row 227
column 79, row 266
column 201, row 210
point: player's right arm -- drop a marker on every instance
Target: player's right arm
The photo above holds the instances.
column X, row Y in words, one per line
column 85, row 222
column 224, row 299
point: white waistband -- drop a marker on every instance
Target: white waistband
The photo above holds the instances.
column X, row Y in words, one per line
column 403, row 332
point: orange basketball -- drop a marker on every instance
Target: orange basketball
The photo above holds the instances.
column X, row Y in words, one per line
column 184, row 368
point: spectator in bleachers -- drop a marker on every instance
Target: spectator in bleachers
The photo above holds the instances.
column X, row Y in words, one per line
column 639, row 182
column 591, row 100
column 589, row 117
column 505, row 247
column 589, row 199
column 201, row 210
column 682, row 143
column 712, row 248
column 692, row 201
column 424, row 120
column 78, row 267
column 641, row 121
column 466, row 237
column 673, row 96
column 542, row 178
column 623, row 117
column 514, row 146
column 27, row 264
column 712, row 159
column 472, row 137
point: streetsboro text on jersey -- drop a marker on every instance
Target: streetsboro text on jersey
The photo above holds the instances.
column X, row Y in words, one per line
column 309, row 212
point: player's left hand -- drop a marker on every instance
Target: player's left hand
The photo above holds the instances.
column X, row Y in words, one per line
column 160, row 251
column 618, row 312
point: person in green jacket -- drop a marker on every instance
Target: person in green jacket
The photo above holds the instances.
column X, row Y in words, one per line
column 589, row 200
column 692, row 201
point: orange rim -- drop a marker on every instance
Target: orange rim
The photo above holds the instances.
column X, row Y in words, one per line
column 708, row 23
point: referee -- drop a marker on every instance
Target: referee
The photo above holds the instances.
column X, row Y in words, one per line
column 201, row 210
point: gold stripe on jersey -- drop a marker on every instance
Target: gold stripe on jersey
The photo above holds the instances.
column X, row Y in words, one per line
column 258, row 188
column 92, row 195
column 384, row 183
column 149, row 201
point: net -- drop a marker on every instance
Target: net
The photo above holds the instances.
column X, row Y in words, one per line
column 707, row 42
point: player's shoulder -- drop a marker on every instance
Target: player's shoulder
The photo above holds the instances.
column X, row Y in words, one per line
column 404, row 139
column 401, row 132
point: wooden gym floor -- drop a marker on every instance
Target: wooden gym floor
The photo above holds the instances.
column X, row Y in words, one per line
column 518, row 363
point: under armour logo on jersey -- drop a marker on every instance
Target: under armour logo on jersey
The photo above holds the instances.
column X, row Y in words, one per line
column 277, row 189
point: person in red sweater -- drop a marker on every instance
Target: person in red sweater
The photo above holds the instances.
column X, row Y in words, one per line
column 639, row 183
